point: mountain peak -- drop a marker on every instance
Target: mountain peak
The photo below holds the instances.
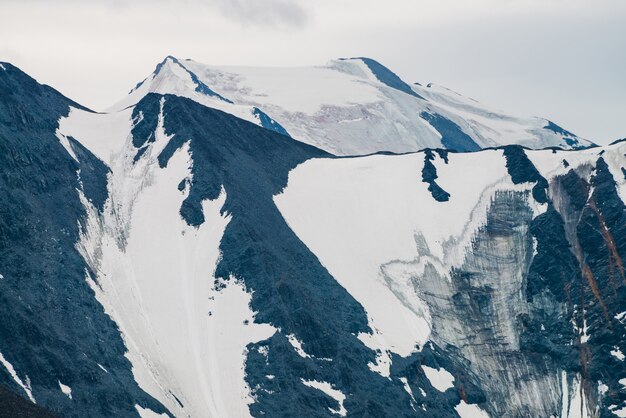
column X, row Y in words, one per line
column 170, row 76
column 386, row 76
column 169, row 58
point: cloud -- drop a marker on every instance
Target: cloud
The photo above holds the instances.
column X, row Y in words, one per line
column 264, row 12
column 261, row 13
column 551, row 58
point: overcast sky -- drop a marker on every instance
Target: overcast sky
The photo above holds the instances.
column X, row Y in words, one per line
column 560, row 59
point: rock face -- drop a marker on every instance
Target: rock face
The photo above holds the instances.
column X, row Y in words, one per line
column 52, row 328
column 475, row 312
column 172, row 258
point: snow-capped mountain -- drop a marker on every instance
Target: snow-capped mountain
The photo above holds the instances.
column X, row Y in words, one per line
column 173, row 259
column 350, row 107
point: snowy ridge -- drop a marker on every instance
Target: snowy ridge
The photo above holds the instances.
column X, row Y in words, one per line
column 351, row 107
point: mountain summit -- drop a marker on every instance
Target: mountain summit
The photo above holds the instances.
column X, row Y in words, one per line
column 350, row 106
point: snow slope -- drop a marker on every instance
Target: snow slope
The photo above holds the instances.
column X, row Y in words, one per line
column 403, row 255
column 154, row 276
column 350, row 107
column 360, row 214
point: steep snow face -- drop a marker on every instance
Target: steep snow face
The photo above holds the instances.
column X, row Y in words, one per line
column 186, row 333
column 350, row 107
column 488, row 274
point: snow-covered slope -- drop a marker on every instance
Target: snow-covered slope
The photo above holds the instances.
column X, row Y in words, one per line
column 186, row 339
column 480, row 273
column 350, row 107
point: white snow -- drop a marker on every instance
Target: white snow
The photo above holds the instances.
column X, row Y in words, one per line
column 297, row 345
column 564, row 395
column 321, row 208
column 550, row 164
column 103, row 134
column 297, row 89
column 358, row 215
column 359, row 114
column 330, row 391
column 614, row 157
column 623, row 382
column 488, row 126
column 617, row 353
column 619, row 412
column 407, row 388
column 154, row 276
column 441, row 379
column 103, row 368
column 584, row 334
column 173, row 79
column 602, row 388
column 66, row 144
column 466, row 410
column 377, row 343
column 2, row 66
column 573, row 403
column 1, row 277
column 24, row 385
column 65, row 389
column 148, row 413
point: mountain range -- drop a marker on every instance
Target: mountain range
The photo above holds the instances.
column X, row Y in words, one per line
column 305, row 242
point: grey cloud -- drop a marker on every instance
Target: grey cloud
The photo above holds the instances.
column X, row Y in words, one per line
column 264, row 12
column 286, row 13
